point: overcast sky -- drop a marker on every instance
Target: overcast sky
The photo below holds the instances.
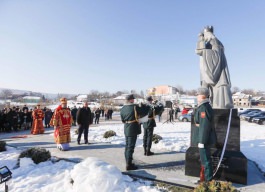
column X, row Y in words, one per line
column 73, row 47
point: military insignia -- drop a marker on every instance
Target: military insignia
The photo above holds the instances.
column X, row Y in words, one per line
column 202, row 114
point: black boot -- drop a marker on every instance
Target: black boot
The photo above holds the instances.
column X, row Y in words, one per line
column 78, row 142
column 131, row 167
column 144, row 151
column 149, row 153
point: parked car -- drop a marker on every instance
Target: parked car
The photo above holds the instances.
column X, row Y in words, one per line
column 185, row 117
column 247, row 111
column 243, row 116
column 258, row 114
column 259, row 120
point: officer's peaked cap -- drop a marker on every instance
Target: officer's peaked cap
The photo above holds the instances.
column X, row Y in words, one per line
column 129, row 97
column 149, row 98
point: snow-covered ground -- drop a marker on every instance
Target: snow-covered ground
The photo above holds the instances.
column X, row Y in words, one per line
column 92, row 174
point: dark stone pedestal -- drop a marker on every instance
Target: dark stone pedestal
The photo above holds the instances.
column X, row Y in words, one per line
column 234, row 164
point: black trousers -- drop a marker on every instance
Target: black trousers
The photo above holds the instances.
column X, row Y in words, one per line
column 129, row 148
column 147, row 138
column 81, row 129
column 171, row 118
column 97, row 119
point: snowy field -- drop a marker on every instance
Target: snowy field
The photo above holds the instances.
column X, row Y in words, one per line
column 87, row 175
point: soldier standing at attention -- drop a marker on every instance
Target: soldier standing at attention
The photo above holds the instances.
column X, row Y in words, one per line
column 129, row 116
column 154, row 110
column 206, row 135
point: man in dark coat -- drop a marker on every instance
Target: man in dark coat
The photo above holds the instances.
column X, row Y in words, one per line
column 154, row 109
column 25, row 107
column 26, row 116
column 206, row 135
column 110, row 111
column 8, row 119
column 1, row 121
column 73, row 113
column 83, row 118
column 102, row 112
column 97, row 115
column 177, row 110
column 130, row 113
column 171, row 114
column 47, row 118
column 14, row 122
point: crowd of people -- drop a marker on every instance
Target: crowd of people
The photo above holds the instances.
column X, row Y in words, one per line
column 14, row 119
column 22, row 118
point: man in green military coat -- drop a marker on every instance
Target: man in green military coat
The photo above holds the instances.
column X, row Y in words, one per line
column 130, row 113
column 154, row 109
column 206, row 136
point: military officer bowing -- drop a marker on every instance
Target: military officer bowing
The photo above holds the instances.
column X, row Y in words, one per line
column 130, row 114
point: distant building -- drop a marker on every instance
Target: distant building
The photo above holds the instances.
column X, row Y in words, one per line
column 162, row 90
column 120, row 100
column 82, row 98
column 164, row 93
column 185, row 100
column 31, row 99
column 241, row 99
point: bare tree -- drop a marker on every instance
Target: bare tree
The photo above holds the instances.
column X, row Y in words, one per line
column 118, row 93
column 125, row 91
column 180, row 89
column 94, row 93
column 133, row 91
column 191, row 92
column 5, row 93
column 106, row 94
column 249, row 92
column 235, row 90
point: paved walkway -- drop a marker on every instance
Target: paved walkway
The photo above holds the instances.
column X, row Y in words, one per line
column 164, row 165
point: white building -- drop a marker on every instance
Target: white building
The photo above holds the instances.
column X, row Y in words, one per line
column 81, row 98
column 120, row 100
column 185, row 100
column 31, row 99
column 241, row 99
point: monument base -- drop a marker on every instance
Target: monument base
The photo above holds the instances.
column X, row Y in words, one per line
column 233, row 167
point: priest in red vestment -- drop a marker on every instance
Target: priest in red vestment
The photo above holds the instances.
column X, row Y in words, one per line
column 62, row 121
column 37, row 124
